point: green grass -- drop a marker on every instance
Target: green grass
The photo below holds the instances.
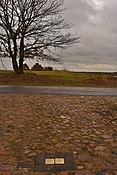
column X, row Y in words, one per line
column 70, row 74
column 58, row 78
column 6, row 71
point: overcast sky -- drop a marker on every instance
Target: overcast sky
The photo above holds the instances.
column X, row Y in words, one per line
column 95, row 21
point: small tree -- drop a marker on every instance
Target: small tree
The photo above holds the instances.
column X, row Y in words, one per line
column 25, row 67
column 29, row 27
column 48, row 68
column 37, row 67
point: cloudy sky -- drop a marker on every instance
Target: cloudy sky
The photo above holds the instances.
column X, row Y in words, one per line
column 95, row 21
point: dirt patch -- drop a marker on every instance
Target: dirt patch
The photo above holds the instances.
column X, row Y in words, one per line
column 108, row 81
column 98, row 80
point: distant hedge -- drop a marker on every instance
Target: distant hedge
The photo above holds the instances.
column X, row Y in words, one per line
column 39, row 67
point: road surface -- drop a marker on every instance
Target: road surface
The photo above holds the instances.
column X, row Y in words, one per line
column 84, row 91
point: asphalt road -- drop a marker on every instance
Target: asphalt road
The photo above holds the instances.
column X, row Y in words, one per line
column 84, row 91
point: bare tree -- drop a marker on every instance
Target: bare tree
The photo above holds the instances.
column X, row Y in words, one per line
column 30, row 27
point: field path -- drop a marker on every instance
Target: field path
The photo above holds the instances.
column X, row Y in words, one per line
column 85, row 91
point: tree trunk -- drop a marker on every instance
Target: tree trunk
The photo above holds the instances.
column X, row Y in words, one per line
column 14, row 56
column 15, row 65
column 21, row 60
column 21, row 65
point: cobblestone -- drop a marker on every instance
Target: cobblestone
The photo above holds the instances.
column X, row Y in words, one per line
column 33, row 124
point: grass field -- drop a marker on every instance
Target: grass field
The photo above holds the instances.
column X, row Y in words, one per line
column 59, row 78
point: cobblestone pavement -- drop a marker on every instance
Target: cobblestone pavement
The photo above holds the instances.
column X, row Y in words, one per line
column 34, row 124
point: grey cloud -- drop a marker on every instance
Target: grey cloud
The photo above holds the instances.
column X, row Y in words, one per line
column 98, row 29
column 77, row 11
